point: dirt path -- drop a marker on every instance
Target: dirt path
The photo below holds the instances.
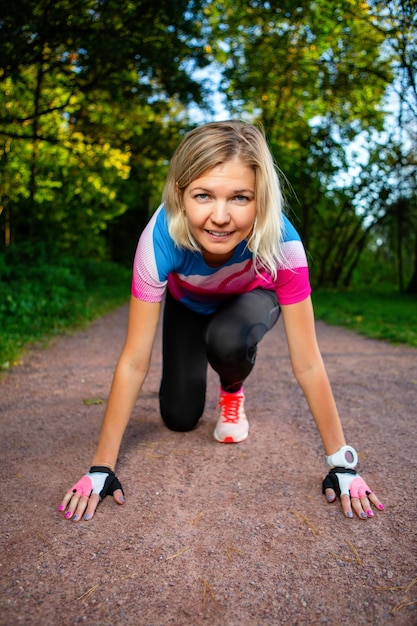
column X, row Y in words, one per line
column 210, row 534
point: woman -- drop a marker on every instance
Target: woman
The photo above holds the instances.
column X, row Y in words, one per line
column 228, row 263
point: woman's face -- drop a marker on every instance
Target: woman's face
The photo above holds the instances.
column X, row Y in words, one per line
column 220, row 209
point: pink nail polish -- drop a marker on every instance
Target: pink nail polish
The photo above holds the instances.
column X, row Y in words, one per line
column 68, row 514
column 61, row 508
column 381, row 507
column 369, row 513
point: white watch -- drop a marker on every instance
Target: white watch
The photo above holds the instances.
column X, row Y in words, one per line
column 345, row 457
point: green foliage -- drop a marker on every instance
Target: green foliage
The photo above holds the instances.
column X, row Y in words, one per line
column 300, row 61
column 94, row 97
column 43, row 293
column 381, row 314
column 86, row 89
column 317, row 75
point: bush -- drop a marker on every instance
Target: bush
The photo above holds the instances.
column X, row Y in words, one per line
column 43, row 293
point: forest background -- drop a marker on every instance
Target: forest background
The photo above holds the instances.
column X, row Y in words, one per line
column 96, row 94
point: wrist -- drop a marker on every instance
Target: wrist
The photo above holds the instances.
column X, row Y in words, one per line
column 346, row 457
column 108, row 466
column 101, row 469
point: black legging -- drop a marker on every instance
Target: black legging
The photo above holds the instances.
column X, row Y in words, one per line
column 227, row 340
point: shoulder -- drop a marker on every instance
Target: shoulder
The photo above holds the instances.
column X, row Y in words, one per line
column 156, row 234
column 159, row 221
column 157, row 247
column 289, row 232
column 294, row 254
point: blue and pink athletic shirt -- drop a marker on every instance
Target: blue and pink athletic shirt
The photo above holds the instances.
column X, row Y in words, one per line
column 159, row 264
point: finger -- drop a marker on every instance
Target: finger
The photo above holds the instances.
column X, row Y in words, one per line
column 330, row 495
column 93, row 503
column 82, row 505
column 71, row 506
column 346, row 505
column 366, row 506
column 66, row 500
column 357, row 507
column 376, row 502
column 118, row 496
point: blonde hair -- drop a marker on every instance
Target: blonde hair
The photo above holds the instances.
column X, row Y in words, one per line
column 210, row 145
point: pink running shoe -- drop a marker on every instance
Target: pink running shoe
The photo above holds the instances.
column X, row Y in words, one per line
column 232, row 425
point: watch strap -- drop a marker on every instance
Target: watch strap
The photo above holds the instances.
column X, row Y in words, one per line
column 346, row 457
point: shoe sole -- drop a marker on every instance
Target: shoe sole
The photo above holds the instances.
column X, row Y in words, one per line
column 230, row 439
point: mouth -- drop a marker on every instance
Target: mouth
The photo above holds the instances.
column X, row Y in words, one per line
column 219, row 233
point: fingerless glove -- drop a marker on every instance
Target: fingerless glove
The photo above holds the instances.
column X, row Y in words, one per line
column 99, row 480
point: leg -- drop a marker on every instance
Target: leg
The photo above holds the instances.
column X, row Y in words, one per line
column 183, row 387
column 232, row 339
column 234, row 332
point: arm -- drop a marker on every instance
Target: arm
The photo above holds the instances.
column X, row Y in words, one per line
column 129, row 376
column 311, row 375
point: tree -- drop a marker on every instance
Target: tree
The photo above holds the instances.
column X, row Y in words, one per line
column 314, row 74
column 397, row 21
column 80, row 86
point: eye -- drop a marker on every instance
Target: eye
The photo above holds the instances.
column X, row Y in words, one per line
column 241, row 199
column 201, row 196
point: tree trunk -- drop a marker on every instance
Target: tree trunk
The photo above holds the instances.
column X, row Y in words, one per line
column 412, row 285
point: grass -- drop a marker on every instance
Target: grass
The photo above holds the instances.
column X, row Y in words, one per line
column 43, row 297
column 388, row 316
column 43, row 294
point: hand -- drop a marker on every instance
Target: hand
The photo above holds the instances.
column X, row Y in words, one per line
column 85, row 495
column 353, row 491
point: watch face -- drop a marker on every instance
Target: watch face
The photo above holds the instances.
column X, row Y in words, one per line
column 349, row 456
column 345, row 457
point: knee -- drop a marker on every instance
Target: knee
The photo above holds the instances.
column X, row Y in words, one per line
column 229, row 348
column 181, row 414
column 179, row 423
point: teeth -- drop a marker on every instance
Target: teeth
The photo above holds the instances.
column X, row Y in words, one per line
column 217, row 234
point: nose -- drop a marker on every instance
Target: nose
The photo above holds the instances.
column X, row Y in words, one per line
column 220, row 213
